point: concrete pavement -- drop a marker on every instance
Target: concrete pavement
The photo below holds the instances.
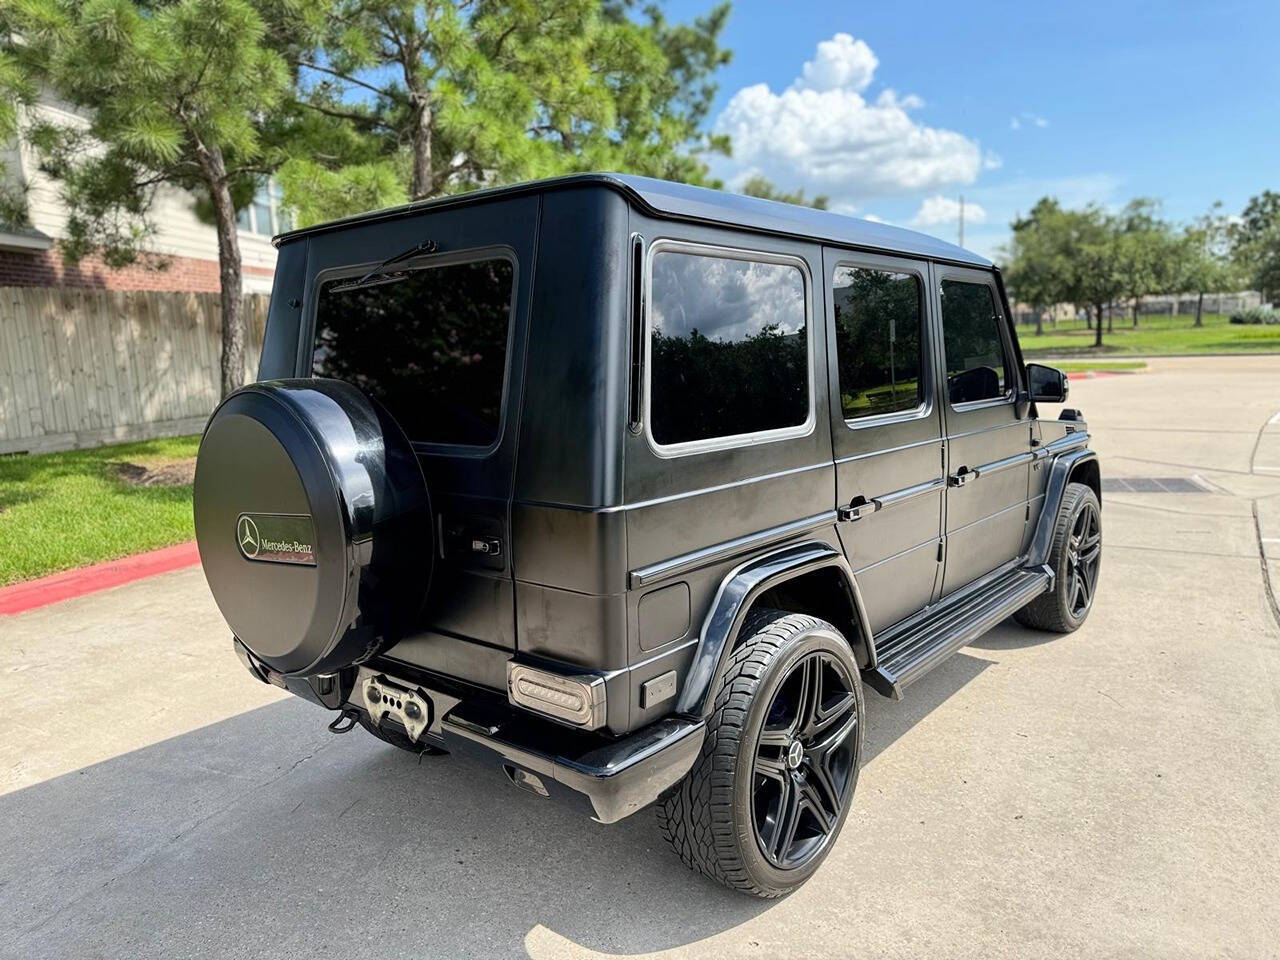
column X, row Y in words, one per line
column 1110, row 793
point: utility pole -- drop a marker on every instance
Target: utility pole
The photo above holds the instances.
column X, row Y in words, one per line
column 962, row 219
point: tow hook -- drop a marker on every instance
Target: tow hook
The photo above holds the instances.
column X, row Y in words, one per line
column 351, row 716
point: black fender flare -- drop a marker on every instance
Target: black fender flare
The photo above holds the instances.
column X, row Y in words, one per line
column 738, row 590
column 1064, row 465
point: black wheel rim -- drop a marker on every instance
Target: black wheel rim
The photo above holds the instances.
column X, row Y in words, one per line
column 1084, row 551
column 805, row 760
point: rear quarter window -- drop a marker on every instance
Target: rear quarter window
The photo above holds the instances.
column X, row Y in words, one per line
column 728, row 346
column 429, row 343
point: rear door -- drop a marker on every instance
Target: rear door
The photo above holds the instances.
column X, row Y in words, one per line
column 886, row 430
column 441, row 344
column 988, row 445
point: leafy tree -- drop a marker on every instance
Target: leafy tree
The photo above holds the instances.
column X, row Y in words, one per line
column 1146, row 251
column 1038, row 268
column 1067, row 256
column 711, row 387
column 1204, row 262
column 759, row 186
column 1255, row 242
column 458, row 94
column 185, row 93
column 1095, row 277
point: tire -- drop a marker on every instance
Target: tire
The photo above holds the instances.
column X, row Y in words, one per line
column 723, row 815
column 1076, row 560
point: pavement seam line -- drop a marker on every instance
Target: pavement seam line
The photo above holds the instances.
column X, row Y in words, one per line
column 1266, row 570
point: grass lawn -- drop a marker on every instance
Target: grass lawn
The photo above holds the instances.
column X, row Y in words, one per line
column 1087, row 366
column 64, row 510
column 1155, row 336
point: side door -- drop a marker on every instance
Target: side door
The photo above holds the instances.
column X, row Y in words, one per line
column 988, row 443
column 886, row 428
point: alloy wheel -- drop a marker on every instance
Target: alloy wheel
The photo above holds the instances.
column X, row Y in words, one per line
column 805, row 758
column 1084, row 551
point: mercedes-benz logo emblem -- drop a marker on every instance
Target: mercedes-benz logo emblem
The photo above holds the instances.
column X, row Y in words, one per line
column 247, row 534
column 795, row 754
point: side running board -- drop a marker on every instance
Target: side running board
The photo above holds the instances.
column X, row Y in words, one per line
column 910, row 649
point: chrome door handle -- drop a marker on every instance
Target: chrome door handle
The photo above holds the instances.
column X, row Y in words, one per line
column 961, row 477
column 859, row 508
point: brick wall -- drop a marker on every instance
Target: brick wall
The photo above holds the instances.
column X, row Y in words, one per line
column 46, row 269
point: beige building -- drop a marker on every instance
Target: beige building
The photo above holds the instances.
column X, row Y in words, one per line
column 187, row 245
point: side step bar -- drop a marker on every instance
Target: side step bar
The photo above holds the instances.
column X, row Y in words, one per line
column 910, row 649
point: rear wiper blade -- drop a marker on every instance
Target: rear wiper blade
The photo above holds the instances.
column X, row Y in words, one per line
column 419, row 249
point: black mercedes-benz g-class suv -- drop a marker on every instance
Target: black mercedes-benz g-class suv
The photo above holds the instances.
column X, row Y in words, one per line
column 626, row 486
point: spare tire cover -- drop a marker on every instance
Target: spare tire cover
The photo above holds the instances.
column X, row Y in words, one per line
column 313, row 522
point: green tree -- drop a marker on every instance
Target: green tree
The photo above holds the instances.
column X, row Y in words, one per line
column 1095, row 275
column 1146, row 251
column 185, row 93
column 759, row 186
column 1204, row 263
column 1038, row 261
column 1255, row 242
column 459, row 94
column 1070, row 256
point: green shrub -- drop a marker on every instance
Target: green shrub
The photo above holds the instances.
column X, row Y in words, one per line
column 1256, row 315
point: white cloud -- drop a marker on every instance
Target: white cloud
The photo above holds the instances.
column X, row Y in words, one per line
column 938, row 209
column 1016, row 122
column 841, row 62
column 823, row 134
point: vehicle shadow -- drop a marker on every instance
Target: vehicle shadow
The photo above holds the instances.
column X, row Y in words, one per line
column 264, row 835
column 1011, row 635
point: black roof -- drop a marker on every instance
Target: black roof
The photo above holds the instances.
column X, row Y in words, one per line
column 683, row 202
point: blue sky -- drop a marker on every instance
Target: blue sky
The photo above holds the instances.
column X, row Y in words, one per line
column 902, row 108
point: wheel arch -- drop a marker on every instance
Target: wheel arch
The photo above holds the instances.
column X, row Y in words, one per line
column 1078, row 466
column 810, row 577
column 1088, row 472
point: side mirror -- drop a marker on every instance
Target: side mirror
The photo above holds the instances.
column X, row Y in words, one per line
column 1047, row 384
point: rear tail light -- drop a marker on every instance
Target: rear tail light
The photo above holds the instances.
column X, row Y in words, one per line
column 578, row 700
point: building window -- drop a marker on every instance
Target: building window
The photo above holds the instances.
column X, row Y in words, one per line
column 878, row 316
column 729, row 347
column 266, row 214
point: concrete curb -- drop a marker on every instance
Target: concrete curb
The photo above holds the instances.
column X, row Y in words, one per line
column 100, row 576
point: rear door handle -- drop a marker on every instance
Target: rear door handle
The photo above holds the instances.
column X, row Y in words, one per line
column 859, row 508
column 961, row 477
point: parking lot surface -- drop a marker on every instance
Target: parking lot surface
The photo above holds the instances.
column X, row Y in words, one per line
column 1112, row 793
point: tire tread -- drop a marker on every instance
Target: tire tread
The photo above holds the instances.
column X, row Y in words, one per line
column 1049, row 611
column 696, row 817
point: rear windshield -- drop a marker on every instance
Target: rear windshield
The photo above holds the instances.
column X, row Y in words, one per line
column 430, row 344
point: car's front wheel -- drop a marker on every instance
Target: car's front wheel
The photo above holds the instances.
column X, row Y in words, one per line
column 763, row 805
column 1075, row 557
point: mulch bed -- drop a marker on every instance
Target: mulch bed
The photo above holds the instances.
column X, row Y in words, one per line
column 174, row 473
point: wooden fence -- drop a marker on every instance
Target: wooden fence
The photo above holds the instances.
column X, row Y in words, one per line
column 84, row 367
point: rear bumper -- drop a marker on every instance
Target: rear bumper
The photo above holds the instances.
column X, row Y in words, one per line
column 614, row 779
column 607, row 779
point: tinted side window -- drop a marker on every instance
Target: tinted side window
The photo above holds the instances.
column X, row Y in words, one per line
column 976, row 366
column 430, row 345
column 877, row 316
column 729, row 347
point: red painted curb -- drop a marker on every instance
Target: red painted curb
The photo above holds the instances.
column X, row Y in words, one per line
column 76, row 583
column 1093, row 374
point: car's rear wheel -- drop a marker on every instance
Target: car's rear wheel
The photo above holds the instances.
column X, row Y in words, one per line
column 763, row 805
column 1076, row 560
